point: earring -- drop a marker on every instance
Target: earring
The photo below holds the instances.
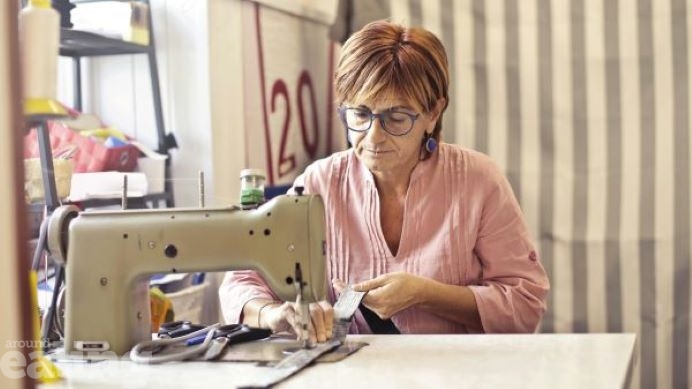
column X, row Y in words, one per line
column 430, row 143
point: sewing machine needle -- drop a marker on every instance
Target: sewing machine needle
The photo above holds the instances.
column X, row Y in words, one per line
column 303, row 316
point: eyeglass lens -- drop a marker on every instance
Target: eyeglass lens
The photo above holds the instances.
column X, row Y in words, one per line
column 395, row 122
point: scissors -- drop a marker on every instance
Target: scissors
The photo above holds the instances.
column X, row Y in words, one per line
column 229, row 335
column 176, row 329
column 197, row 342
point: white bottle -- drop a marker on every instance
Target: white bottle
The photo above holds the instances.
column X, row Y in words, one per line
column 39, row 35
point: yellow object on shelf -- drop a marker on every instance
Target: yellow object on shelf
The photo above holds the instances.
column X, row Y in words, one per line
column 40, row 3
column 139, row 25
column 104, row 133
column 39, row 107
column 161, row 308
column 47, row 371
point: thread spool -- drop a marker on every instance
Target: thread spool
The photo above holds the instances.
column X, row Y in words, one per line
column 252, row 187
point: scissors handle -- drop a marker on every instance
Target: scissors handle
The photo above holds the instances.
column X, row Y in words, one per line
column 219, row 332
column 243, row 334
column 178, row 328
column 248, row 334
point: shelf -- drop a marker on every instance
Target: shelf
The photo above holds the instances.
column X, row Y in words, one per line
column 74, row 43
column 34, row 120
column 133, row 202
column 78, row 44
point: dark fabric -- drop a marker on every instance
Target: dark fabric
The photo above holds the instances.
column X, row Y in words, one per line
column 377, row 325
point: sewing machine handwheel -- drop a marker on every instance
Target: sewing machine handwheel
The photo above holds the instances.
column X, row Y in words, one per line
column 59, row 319
column 58, row 227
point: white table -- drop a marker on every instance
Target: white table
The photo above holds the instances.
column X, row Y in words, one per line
column 404, row 361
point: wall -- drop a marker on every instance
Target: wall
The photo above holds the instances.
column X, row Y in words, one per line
column 253, row 47
column 274, row 108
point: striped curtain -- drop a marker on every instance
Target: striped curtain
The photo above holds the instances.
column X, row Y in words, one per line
column 585, row 105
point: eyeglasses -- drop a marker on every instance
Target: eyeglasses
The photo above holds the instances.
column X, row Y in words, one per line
column 395, row 122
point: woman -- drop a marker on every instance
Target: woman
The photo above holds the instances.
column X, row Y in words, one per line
column 431, row 231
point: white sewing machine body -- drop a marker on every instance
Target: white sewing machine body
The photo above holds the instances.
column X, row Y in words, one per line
column 111, row 254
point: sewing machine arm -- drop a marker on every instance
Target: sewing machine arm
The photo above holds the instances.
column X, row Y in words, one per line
column 110, row 256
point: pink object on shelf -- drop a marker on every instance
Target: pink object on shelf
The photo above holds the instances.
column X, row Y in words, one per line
column 90, row 155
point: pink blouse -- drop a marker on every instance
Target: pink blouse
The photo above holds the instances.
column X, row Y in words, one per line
column 462, row 226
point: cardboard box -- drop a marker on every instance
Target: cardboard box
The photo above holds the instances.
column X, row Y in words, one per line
column 153, row 165
column 106, row 185
column 154, row 170
column 33, row 178
column 188, row 303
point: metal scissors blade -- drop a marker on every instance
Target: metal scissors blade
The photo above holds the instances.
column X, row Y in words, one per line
column 178, row 328
column 216, row 348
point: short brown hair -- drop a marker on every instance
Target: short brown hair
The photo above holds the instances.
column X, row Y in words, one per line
column 385, row 58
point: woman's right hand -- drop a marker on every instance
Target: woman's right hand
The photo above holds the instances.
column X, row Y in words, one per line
column 283, row 317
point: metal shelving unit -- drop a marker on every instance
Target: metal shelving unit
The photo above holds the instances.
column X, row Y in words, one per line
column 81, row 44
column 77, row 45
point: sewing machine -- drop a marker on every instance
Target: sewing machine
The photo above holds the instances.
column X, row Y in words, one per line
column 110, row 255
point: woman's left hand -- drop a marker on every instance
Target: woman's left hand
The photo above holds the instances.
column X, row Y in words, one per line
column 389, row 293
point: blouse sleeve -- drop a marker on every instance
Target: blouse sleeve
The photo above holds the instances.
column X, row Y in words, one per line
column 241, row 286
column 511, row 293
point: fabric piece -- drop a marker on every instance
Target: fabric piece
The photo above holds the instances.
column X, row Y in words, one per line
column 376, row 324
column 277, row 347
